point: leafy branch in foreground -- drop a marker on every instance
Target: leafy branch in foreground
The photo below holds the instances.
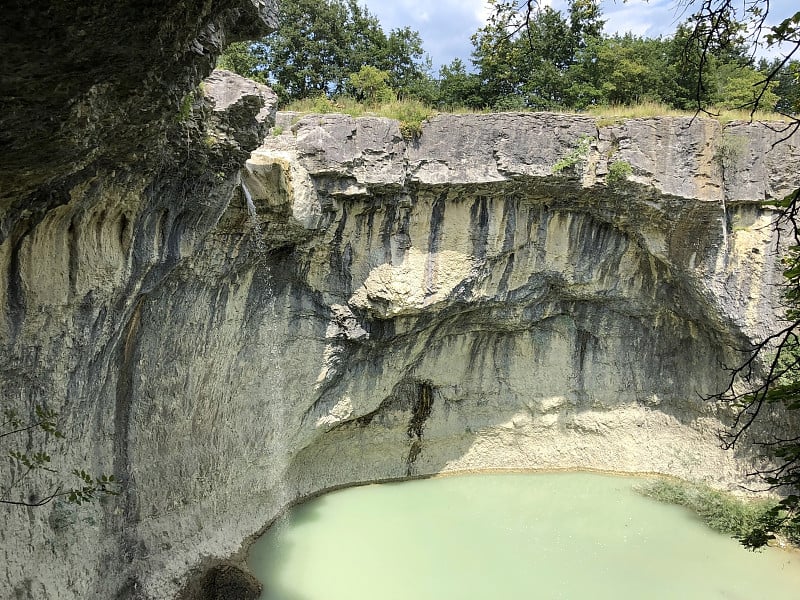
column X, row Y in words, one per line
column 770, row 378
column 27, row 468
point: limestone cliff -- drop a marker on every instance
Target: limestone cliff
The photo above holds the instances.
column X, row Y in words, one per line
column 355, row 306
column 115, row 166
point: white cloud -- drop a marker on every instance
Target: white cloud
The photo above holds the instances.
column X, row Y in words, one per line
column 446, row 25
column 483, row 12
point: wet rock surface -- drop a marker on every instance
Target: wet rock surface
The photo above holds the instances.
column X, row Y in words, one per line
column 221, row 581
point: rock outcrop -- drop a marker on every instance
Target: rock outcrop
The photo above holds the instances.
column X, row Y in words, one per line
column 355, row 306
column 116, row 165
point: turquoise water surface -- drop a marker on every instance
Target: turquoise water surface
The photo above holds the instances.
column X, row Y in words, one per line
column 509, row 536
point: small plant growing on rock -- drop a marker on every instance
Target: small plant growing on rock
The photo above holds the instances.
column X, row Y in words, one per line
column 575, row 156
column 730, row 150
column 411, row 114
column 186, row 108
column 619, row 171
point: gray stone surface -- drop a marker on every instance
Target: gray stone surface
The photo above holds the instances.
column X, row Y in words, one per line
column 384, row 309
column 115, row 168
column 102, row 81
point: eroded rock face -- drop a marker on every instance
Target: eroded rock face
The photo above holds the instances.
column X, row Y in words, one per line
column 354, row 306
column 116, row 166
column 102, row 81
column 377, row 320
column 486, row 313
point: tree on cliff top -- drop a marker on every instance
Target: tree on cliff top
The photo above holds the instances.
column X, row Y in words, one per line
column 531, row 56
column 319, row 44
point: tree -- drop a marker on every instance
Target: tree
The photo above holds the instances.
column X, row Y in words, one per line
column 496, row 54
column 457, row 87
column 308, row 54
column 585, row 23
column 240, row 59
column 739, row 86
column 618, row 70
column 24, row 487
column 320, row 43
column 370, row 85
column 408, row 65
column 552, row 51
column 526, row 56
column 769, row 376
column 787, row 84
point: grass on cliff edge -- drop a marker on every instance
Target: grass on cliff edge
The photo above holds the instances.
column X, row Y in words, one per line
column 612, row 113
column 721, row 511
column 412, row 113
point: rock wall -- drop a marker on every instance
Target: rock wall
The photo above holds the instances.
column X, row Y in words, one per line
column 354, row 306
column 480, row 311
column 116, row 166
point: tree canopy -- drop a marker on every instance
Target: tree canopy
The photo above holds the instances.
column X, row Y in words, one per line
column 527, row 56
column 547, row 59
column 321, row 43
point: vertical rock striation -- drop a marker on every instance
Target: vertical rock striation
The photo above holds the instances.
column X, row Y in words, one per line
column 116, row 166
column 351, row 306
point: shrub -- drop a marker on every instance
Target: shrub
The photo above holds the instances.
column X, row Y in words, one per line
column 722, row 512
column 575, row 156
column 410, row 113
column 619, row 171
column 730, row 150
column 370, row 85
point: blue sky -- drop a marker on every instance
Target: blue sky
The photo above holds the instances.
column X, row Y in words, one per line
column 446, row 25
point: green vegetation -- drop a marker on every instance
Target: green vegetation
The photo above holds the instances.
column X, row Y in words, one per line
column 185, row 108
column 723, row 512
column 33, row 481
column 577, row 155
column 609, row 114
column 410, row 113
column 321, row 44
column 548, row 60
column 371, row 86
column 730, row 150
column 525, row 58
column 619, row 171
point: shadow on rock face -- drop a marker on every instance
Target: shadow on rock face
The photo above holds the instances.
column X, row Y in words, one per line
column 221, row 581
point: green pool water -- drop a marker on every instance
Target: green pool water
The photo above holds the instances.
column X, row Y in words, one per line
column 509, row 536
